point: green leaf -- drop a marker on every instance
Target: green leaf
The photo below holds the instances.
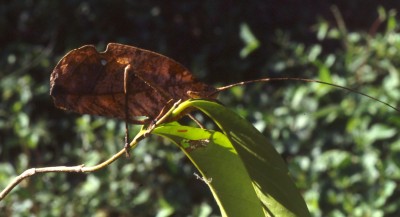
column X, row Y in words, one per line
column 251, row 42
column 265, row 168
column 219, row 165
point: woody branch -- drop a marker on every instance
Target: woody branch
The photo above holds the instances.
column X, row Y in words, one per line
column 67, row 169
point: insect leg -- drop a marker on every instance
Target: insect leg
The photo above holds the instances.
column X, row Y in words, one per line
column 196, row 121
column 126, row 88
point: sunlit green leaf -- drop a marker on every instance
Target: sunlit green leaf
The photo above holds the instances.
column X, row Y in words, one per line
column 263, row 165
column 220, row 168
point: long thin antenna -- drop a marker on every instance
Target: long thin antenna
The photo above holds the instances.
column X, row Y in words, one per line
column 301, row 79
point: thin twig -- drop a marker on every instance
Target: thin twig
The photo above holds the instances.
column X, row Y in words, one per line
column 81, row 168
column 68, row 169
column 341, row 25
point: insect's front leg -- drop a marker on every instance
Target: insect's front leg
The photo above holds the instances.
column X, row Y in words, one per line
column 126, row 92
column 163, row 116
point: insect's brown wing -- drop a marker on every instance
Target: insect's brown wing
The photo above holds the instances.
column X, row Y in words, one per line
column 91, row 82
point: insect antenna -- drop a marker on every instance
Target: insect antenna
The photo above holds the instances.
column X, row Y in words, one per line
column 220, row 89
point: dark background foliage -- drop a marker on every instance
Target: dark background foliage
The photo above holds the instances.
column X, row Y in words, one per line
column 341, row 148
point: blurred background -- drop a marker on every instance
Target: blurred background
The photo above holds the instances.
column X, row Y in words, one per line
column 342, row 149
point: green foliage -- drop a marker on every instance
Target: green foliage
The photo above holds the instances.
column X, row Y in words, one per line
column 342, row 149
column 220, row 167
column 251, row 42
column 248, row 175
